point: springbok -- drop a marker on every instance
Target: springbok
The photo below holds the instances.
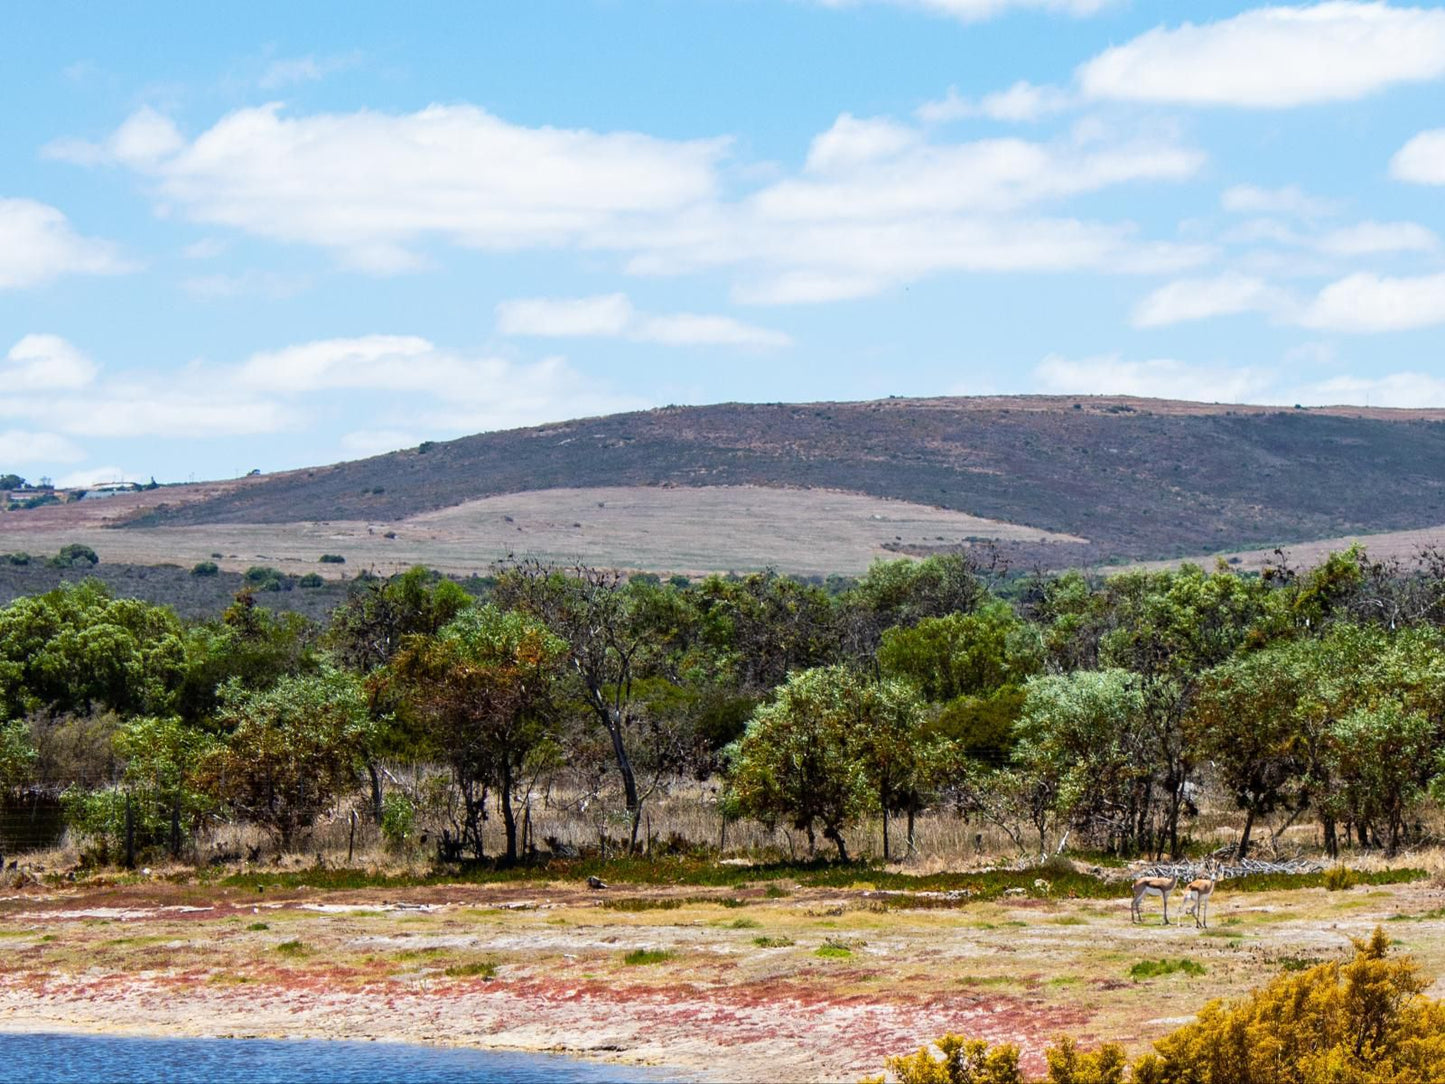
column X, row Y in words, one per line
column 1196, row 898
column 1152, row 886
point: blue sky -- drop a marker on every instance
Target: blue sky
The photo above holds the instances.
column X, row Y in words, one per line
column 278, row 235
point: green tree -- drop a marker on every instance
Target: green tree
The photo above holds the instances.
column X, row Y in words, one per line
column 484, row 687
column 1079, row 753
column 802, row 756
column 291, row 752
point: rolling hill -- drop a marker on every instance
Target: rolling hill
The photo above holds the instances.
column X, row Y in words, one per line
column 1130, row 479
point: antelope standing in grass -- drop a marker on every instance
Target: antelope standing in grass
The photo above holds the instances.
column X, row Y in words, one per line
column 1152, row 886
column 1196, row 898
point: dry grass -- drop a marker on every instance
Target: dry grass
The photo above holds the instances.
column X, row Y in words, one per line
column 689, row 530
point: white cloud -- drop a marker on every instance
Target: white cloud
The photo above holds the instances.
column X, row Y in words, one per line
column 1370, row 238
column 1366, row 302
column 284, row 72
column 582, row 317
column 1196, row 299
column 45, row 363
column 1161, row 378
column 37, row 244
column 1290, row 200
column 1407, row 389
column 877, row 203
column 429, row 388
column 86, row 477
column 1023, row 101
column 1422, row 159
column 21, row 446
column 1275, row 57
column 977, row 10
column 143, row 140
column 368, row 442
column 612, row 316
column 375, row 362
column 207, row 248
column 1172, row 379
column 371, row 185
column 276, row 285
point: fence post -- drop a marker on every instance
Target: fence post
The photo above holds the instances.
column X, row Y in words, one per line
column 129, row 832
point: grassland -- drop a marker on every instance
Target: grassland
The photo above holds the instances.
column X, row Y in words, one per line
column 793, row 978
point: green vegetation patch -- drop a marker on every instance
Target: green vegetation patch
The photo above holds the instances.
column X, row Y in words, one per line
column 1153, row 969
column 256, row 927
column 773, row 942
column 292, row 948
column 475, row 969
column 638, row 957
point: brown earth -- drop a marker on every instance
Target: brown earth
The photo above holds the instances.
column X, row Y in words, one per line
column 157, row 957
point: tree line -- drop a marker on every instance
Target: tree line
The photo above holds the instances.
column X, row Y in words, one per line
column 1057, row 708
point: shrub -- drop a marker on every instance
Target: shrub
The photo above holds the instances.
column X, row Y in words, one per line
column 1151, row 969
column 647, row 956
column 1364, row 1021
column 20, row 557
column 773, row 942
column 75, row 555
column 265, row 578
column 311, row 580
column 205, row 568
column 426, row 446
column 398, row 819
column 291, row 948
column 477, row 969
column 332, row 559
column 1340, row 877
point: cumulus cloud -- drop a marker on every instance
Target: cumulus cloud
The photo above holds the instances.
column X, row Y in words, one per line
column 1366, row 302
column 407, row 383
column 977, row 10
column 38, row 244
column 1422, row 160
column 19, row 447
column 1172, row 379
column 1361, row 303
column 1159, row 378
column 877, row 202
column 612, row 316
column 369, row 185
column 45, row 363
column 285, row 71
column 1289, row 200
column 1370, row 238
column 1197, row 299
column 1274, row 57
column 1023, row 101
column 431, row 388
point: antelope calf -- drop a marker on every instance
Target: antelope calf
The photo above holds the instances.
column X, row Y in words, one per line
column 1196, row 900
column 1152, row 886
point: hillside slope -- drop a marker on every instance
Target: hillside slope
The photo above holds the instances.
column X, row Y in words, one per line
column 1138, row 478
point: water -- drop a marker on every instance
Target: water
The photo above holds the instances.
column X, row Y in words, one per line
column 63, row 1058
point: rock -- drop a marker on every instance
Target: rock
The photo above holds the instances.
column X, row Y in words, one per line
column 595, row 882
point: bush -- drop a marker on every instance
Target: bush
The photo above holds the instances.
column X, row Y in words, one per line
column 310, row 580
column 1364, row 1021
column 205, row 568
column 74, row 555
column 398, row 819
column 1340, row 877
column 19, row 557
column 647, row 956
column 265, row 578
column 332, row 559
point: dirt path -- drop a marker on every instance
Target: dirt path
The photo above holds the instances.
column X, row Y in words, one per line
column 817, row 984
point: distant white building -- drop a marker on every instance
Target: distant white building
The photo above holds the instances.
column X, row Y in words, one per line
column 109, row 489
